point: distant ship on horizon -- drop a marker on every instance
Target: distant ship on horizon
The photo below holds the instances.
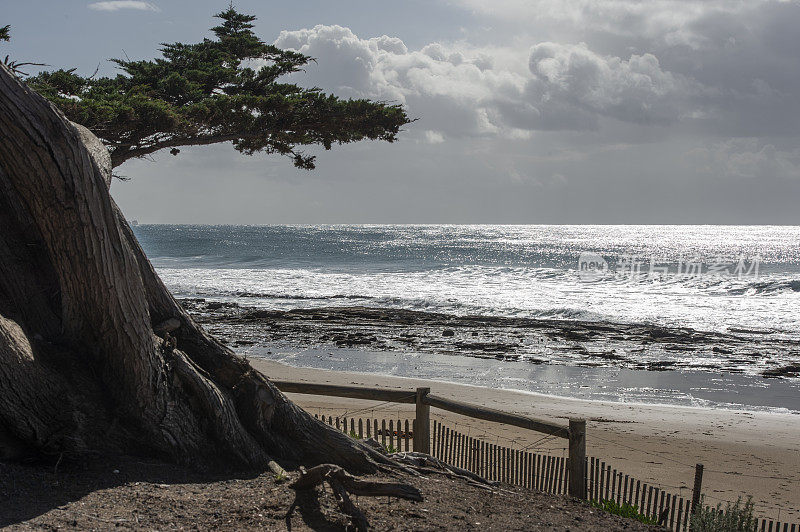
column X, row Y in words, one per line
column 134, row 223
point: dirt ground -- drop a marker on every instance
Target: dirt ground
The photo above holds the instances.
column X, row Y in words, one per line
column 130, row 493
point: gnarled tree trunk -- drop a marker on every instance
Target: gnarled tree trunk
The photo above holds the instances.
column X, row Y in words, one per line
column 95, row 354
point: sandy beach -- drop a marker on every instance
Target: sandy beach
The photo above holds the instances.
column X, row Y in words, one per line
column 743, row 453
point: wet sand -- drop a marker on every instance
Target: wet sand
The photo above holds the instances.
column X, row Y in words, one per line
column 756, row 453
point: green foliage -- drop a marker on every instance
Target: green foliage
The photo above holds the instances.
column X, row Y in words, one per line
column 735, row 518
column 225, row 89
column 354, row 435
column 5, row 33
column 280, row 477
column 624, row 510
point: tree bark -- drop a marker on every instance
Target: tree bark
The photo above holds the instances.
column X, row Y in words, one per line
column 95, row 353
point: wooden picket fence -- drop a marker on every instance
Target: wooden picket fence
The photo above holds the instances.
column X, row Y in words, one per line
column 538, row 471
column 420, row 433
column 393, row 434
column 607, row 484
column 498, row 463
column 669, row 509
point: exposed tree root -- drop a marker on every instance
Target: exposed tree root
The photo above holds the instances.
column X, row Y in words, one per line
column 343, row 484
column 425, row 463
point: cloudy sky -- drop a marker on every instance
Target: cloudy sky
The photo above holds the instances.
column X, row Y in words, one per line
column 529, row 111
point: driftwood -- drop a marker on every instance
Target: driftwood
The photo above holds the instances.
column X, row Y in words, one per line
column 343, row 485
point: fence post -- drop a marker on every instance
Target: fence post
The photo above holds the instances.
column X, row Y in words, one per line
column 577, row 458
column 422, row 425
column 698, row 484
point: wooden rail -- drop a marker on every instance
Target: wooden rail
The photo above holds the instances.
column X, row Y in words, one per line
column 497, row 416
column 351, row 392
column 424, row 400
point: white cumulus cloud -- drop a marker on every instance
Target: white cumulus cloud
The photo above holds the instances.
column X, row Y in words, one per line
column 574, row 79
column 459, row 90
column 453, row 91
column 117, row 5
column 433, row 137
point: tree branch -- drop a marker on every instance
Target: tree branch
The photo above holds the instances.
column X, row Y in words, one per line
column 119, row 156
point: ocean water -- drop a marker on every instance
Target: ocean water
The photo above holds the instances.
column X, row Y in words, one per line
column 725, row 279
column 529, row 271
